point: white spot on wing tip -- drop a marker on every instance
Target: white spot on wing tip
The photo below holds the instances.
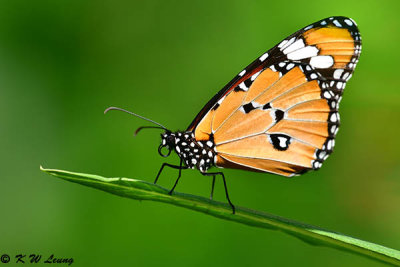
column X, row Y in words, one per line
column 338, row 73
column 293, row 47
column 255, row 76
column 348, row 22
column 263, row 57
column 352, row 20
column 242, row 73
column 308, row 27
column 306, row 52
column 334, row 117
column 290, row 66
column 282, row 43
column 321, row 62
column 337, row 23
column 243, row 86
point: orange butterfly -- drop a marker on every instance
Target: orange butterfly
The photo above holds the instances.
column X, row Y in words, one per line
column 279, row 114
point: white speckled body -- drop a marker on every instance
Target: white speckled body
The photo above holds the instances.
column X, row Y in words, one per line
column 194, row 153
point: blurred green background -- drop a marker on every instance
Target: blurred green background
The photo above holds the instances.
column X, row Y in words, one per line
column 63, row 62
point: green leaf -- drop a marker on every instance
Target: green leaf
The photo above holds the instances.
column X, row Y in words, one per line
column 141, row 190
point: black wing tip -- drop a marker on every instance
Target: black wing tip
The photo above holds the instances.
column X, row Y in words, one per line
column 331, row 18
column 343, row 21
column 337, row 21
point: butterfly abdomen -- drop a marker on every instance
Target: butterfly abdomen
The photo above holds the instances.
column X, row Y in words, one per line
column 195, row 154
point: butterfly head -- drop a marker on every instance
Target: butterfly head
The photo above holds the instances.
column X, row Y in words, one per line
column 167, row 142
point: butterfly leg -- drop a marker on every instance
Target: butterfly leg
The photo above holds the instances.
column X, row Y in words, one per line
column 212, row 187
column 169, row 165
column 226, row 188
column 179, row 176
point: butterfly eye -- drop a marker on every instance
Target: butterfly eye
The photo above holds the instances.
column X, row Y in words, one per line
column 160, row 150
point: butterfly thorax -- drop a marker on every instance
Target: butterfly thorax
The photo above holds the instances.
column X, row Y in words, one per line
column 194, row 153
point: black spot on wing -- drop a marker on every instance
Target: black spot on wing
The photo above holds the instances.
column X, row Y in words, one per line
column 278, row 115
column 248, row 83
column 280, row 142
column 237, row 89
column 267, row 106
column 248, row 107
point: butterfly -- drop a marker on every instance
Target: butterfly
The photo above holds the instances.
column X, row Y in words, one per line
column 278, row 115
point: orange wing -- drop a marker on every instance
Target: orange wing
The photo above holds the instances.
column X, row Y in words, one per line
column 281, row 115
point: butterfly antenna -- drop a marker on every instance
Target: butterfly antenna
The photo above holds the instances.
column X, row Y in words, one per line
column 136, row 115
column 146, row 127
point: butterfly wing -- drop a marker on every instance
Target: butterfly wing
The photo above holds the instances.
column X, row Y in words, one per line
column 280, row 114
